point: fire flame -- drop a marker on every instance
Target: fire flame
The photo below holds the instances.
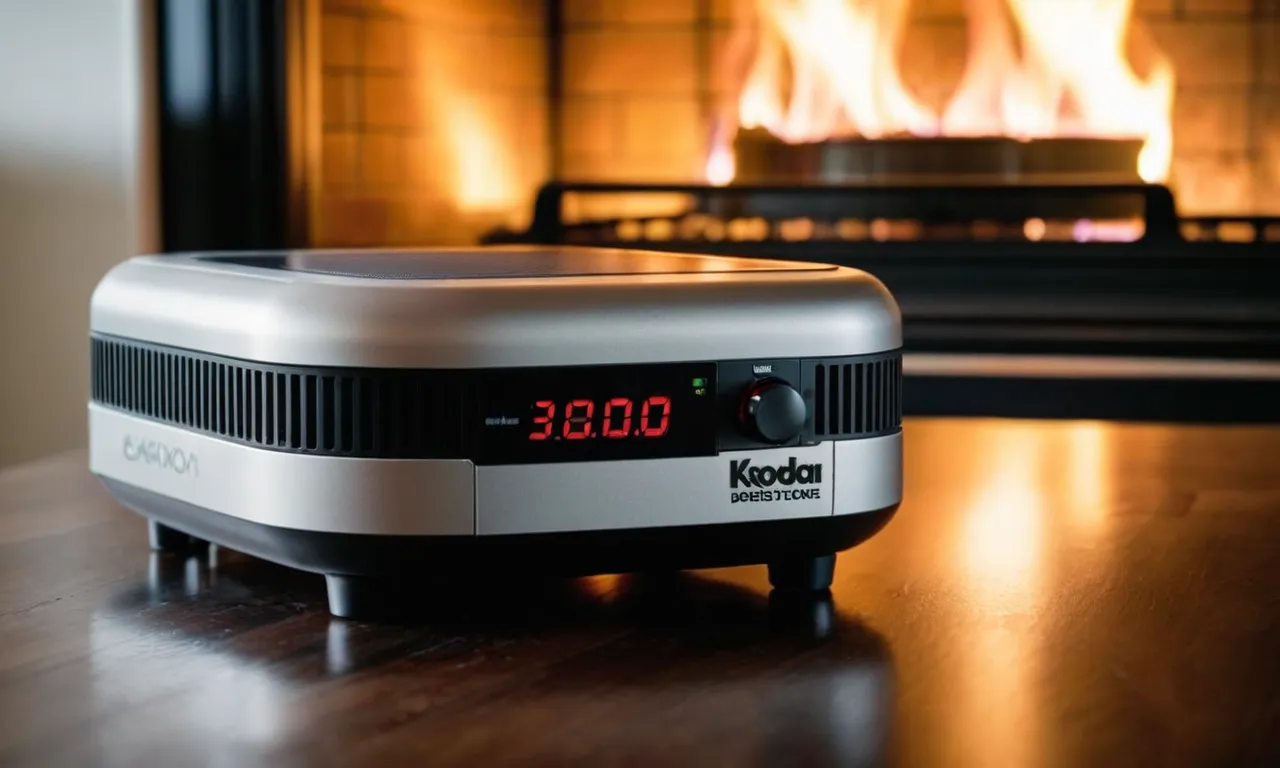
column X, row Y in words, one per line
column 828, row 69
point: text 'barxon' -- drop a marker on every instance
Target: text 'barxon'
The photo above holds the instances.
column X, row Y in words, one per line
column 162, row 456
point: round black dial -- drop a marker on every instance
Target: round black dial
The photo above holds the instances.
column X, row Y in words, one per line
column 773, row 411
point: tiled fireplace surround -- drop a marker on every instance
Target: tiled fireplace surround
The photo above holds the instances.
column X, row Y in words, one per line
column 439, row 119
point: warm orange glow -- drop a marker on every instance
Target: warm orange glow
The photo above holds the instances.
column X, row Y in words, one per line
column 482, row 162
column 720, row 165
column 1004, row 521
column 471, row 158
column 1034, row 229
column 829, row 69
column 1088, row 477
column 836, row 63
column 1071, row 79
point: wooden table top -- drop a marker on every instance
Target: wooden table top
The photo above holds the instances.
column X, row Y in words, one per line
column 1074, row 594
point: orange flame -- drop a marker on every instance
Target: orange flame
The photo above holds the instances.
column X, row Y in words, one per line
column 828, row 69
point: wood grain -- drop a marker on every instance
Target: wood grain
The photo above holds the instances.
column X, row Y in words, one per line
column 1065, row 593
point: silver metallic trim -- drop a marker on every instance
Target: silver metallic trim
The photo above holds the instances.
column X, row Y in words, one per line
column 1085, row 367
column 294, row 318
column 288, row 490
column 856, row 476
column 453, row 497
column 869, row 474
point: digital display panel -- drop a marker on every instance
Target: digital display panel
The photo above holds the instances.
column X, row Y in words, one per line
column 596, row 413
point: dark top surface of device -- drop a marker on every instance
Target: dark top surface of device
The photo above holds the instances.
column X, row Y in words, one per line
column 470, row 263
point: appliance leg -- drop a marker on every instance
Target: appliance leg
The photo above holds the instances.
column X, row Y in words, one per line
column 361, row 597
column 812, row 574
column 166, row 539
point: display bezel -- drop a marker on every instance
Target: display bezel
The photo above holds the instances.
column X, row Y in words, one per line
column 504, row 406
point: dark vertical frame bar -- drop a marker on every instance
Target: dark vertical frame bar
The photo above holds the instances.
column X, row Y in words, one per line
column 833, row 399
column 820, row 399
column 222, row 116
column 554, row 33
column 303, row 116
column 703, row 64
column 1262, row 14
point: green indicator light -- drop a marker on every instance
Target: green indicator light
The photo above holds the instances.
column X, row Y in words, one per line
column 699, row 382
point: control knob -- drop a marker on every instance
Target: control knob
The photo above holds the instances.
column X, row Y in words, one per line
column 773, row 411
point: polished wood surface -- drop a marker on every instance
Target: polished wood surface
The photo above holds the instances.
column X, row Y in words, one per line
column 1065, row 594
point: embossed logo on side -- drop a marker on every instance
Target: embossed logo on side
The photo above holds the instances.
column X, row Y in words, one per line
column 165, row 457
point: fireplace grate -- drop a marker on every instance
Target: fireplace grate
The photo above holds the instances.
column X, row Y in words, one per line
column 786, row 217
column 1045, row 269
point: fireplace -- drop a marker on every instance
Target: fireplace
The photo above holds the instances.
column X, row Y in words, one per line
column 1016, row 195
column 440, row 120
column 414, row 121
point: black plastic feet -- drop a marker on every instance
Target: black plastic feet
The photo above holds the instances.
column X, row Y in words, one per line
column 382, row 598
column 166, row 539
column 362, row 597
column 812, row 574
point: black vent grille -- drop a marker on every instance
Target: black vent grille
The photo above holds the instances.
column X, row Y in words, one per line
column 376, row 414
column 855, row 397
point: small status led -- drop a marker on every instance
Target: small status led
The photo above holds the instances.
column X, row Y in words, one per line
column 699, row 382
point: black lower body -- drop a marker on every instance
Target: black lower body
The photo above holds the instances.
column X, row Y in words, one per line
column 371, row 575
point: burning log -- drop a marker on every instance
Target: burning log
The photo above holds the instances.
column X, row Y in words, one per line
column 1047, row 92
column 763, row 158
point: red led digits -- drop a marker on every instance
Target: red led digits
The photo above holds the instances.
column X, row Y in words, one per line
column 647, row 427
column 623, row 430
column 577, row 419
column 543, row 420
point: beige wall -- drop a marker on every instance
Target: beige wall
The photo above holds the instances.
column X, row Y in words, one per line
column 71, row 184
